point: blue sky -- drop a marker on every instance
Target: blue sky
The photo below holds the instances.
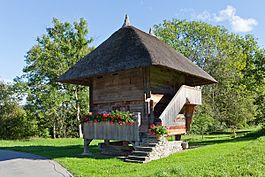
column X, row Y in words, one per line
column 22, row 21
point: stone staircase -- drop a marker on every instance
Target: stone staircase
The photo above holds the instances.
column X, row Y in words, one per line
column 152, row 149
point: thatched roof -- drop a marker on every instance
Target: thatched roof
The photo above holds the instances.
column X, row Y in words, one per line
column 130, row 48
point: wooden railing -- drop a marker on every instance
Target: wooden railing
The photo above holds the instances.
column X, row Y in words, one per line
column 185, row 95
column 108, row 131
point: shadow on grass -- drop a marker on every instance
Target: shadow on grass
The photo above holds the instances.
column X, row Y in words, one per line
column 230, row 133
column 51, row 152
column 242, row 136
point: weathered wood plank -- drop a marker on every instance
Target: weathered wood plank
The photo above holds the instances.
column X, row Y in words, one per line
column 107, row 131
column 165, row 81
column 123, row 86
column 178, row 131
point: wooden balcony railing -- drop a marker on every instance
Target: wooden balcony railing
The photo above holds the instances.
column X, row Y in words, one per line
column 108, row 131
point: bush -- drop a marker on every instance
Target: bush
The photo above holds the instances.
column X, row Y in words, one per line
column 203, row 122
column 15, row 125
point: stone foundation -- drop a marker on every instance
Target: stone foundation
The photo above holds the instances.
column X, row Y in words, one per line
column 152, row 149
column 164, row 149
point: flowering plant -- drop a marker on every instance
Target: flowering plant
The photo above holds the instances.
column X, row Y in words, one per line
column 158, row 129
column 112, row 117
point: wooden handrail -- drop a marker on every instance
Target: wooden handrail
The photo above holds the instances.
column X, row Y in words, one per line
column 185, row 95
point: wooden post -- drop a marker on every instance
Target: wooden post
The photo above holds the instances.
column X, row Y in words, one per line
column 177, row 137
column 86, row 147
column 106, row 142
column 189, row 109
column 152, row 116
column 125, row 143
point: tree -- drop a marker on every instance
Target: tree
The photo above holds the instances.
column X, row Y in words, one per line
column 225, row 56
column 254, row 74
column 13, row 120
column 203, row 120
column 53, row 104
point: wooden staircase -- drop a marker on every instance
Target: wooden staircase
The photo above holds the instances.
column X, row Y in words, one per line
column 167, row 110
column 185, row 95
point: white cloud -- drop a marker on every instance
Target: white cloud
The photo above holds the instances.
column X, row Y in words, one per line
column 238, row 24
column 204, row 16
column 243, row 25
column 225, row 14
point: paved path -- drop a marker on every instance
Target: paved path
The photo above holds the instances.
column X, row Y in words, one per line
column 19, row 164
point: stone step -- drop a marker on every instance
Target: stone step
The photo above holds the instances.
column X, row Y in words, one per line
column 134, row 161
column 149, row 144
column 140, row 153
column 144, row 148
column 149, row 140
column 134, row 157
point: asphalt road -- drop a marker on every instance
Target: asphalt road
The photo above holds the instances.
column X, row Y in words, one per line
column 19, row 164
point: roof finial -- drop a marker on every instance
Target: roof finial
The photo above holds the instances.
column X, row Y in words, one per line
column 126, row 21
column 151, row 32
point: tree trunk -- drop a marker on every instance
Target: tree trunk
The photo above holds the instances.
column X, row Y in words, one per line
column 234, row 132
column 78, row 112
column 54, row 130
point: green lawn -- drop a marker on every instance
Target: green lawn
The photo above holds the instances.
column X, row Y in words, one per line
column 215, row 155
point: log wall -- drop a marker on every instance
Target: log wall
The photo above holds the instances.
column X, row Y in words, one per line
column 165, row 81
column 123, row 91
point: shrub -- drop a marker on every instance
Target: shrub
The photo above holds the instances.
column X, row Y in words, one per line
column 15, row 124
column 158, row 129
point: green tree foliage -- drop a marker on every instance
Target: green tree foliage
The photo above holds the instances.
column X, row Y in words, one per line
column 56, row 107
column 236, row 62
column 203, row 120
column 254, row 74
column 14, row 123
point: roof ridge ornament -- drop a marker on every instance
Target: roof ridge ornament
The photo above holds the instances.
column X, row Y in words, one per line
column 151, row 32
column 126, row 21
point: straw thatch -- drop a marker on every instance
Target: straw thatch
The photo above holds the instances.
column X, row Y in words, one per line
column 130, row 48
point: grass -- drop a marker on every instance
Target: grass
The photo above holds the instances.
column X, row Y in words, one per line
column 216, row 155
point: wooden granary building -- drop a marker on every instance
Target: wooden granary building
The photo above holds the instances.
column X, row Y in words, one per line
column 135, row 71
